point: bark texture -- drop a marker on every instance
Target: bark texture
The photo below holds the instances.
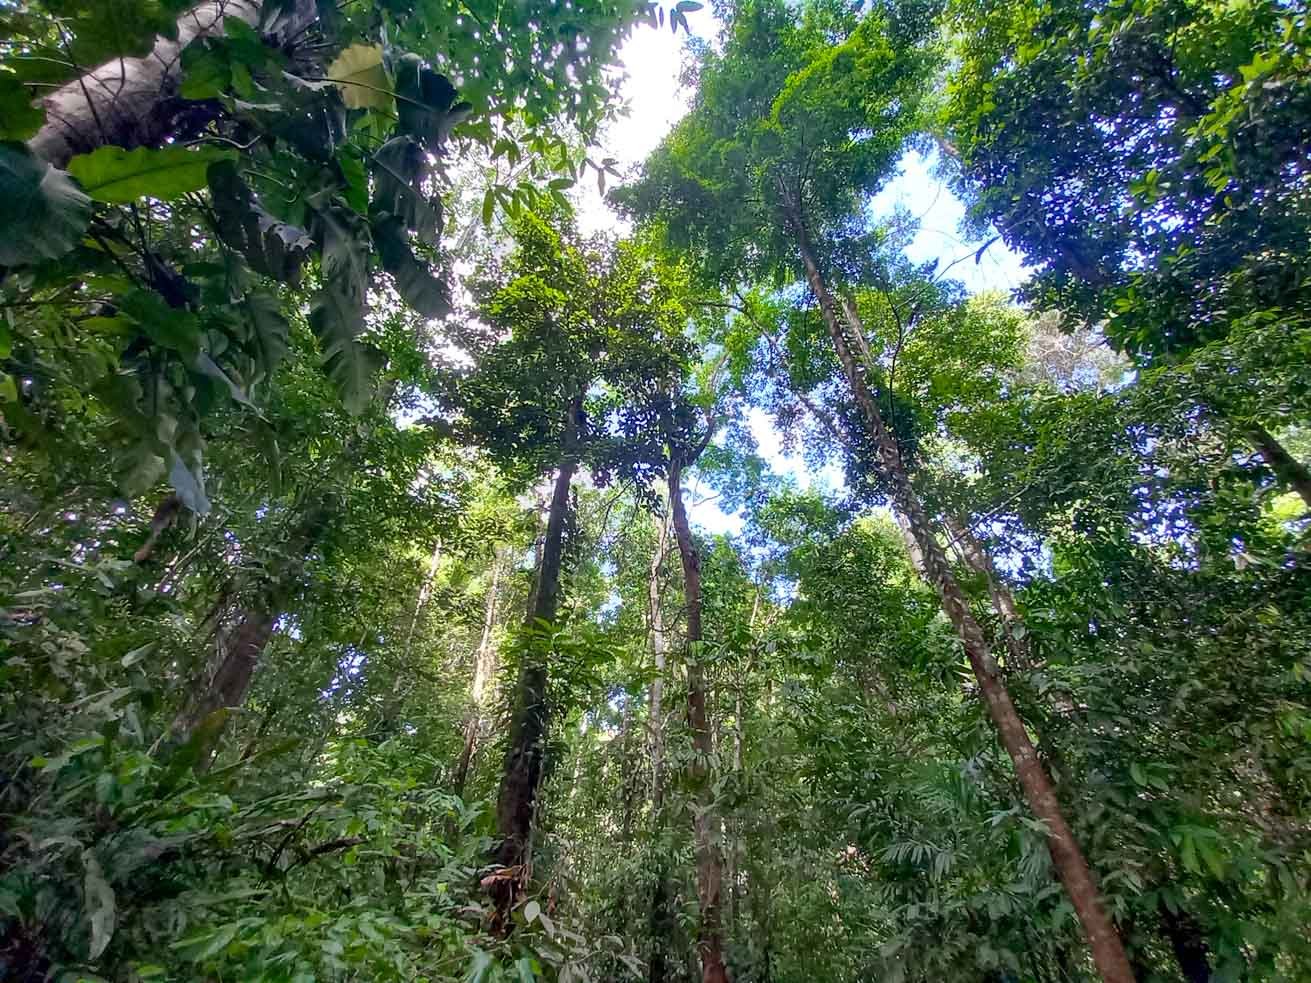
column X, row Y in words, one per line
column 709, row 860
column 1067, row 856
column 1287, row 468
column 517, row 799
column 132, row 102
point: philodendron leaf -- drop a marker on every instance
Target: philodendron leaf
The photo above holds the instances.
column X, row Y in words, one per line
column 359, row 75
column 100, row 908
column 337, row 317
column 399, row 171
column 415, row 282
column 42, row 213
column 118, row 176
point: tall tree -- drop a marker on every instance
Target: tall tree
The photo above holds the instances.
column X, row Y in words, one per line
column 772, row 128
column 1151, row 163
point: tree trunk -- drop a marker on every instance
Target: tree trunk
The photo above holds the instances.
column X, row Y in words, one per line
column 133, row 102
column 705, row 822
column 1287, row 468
column 1188, row 943
column 659, row 656
column 1067, row 856
column 1003, row 601
column 231, row 680
column 662, row 921
column 517, row 800
column 243, row 647
column 484, row 669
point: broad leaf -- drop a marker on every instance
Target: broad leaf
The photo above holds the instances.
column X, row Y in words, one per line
column 19, row 119
column 400, row 169
column 337, row 317
column 359, row 75
column 100, row 908
column 42, row 213
column 273, row 248
column 428, row 294
column 187, row 483
column 118, row 176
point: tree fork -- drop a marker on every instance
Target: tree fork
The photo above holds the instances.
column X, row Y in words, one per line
column 1067, row 856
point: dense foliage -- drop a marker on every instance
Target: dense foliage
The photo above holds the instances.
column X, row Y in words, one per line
column 392, row 584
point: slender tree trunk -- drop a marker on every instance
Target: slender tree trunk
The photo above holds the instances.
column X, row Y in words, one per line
column 662, row 920
column 659, row 656
column 1287, row 468
column 1067, row 856
column 1003, row 601
column 243, row 647
column 484, row 669
column 705, row 822
column 1188, row 944
column 133, row 102
column 228, row 686
column 517, row 800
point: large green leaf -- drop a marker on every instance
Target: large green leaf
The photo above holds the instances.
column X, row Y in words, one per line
column 428, row 294
column 42, row 213
column 337, row 318
column 100, row 907
column 273, row 248
column 360, row 77
column 268, row 332
column 426, row 103
column 399, row 171
column 118, row 176
column 19, row 119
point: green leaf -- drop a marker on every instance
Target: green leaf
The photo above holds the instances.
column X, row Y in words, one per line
column 168, row 327
column 426, row 106
column 415, row 282
column 118, row 176
column 42, row 213
column 206, row 72
column 19, row 118
column 526, row 967
column 8, row 389
column 479, row 964
column 203, row 945
column 489, row 206
column 206, row 366
column 337, row 317
column 137, row 654
column 100, row 908
column 268, row 331
column 187, row 484
column 272, row 247
column 359, row 76
column 399, row 172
